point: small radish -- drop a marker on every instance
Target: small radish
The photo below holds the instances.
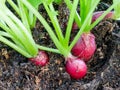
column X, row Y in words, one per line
column 76, row 67
column 41, row 59
column 96, row 15
column 85, row 47
column 74, row 26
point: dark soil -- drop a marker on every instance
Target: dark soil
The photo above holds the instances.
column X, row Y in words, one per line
column 17, row 73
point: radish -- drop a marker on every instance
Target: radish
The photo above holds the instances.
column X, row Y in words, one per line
column 74, row 27
column 99, row 13
column 76, row 67
column 41, row 59
column 85, row 47
column 95, row 16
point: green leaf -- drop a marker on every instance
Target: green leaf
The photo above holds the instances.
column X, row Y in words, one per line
column 117, row 9
column 48, row 1
column 58, row 1
column 54, row 13
column 35, row 3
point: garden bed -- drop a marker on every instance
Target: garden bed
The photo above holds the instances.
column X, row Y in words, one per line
column 17, row 73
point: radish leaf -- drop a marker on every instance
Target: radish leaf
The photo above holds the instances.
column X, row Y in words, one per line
column 35, row 3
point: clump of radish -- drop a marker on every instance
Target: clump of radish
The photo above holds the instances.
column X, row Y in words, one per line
column 76, row 67
column 41, row 59
column 85, row 47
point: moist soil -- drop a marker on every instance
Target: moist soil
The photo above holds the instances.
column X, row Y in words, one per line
column 18, row 73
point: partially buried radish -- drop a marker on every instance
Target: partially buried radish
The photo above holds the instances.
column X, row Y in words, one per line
column 41, row 59
column 96, row 15
column 85, row 46
column 76, row 67
column 74, row 26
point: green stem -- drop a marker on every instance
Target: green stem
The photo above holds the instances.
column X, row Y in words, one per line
column 48, row 49
column 70, row 22
column 5, row 27
column 9, row 43
column 34, row 22
column 91, row 26
column 82, row 27
column 24, row 14
column 52, row 15
column 47, row 27
column 13, row 36
column 89, row 7
column 32, row 19
column 102, row 16
column 14, row 6
column 2, row 33
column 117, row 9
column 21, row 32
column 77, row 17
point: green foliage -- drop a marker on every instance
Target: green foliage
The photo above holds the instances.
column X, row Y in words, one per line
column 58, row 1
column 35, row 3
column 83, row 19
column 61, row 42
column 15, row 28
column 18, row 30
column 117, row 9
column 87, row 8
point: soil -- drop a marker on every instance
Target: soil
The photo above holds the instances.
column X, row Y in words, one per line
column 18, row 73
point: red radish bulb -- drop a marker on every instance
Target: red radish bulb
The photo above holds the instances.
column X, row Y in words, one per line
column 41, row 59
column 85, row 47
column 99, row 13
column 76, row 68
column 74, row 26
column 95, row 16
